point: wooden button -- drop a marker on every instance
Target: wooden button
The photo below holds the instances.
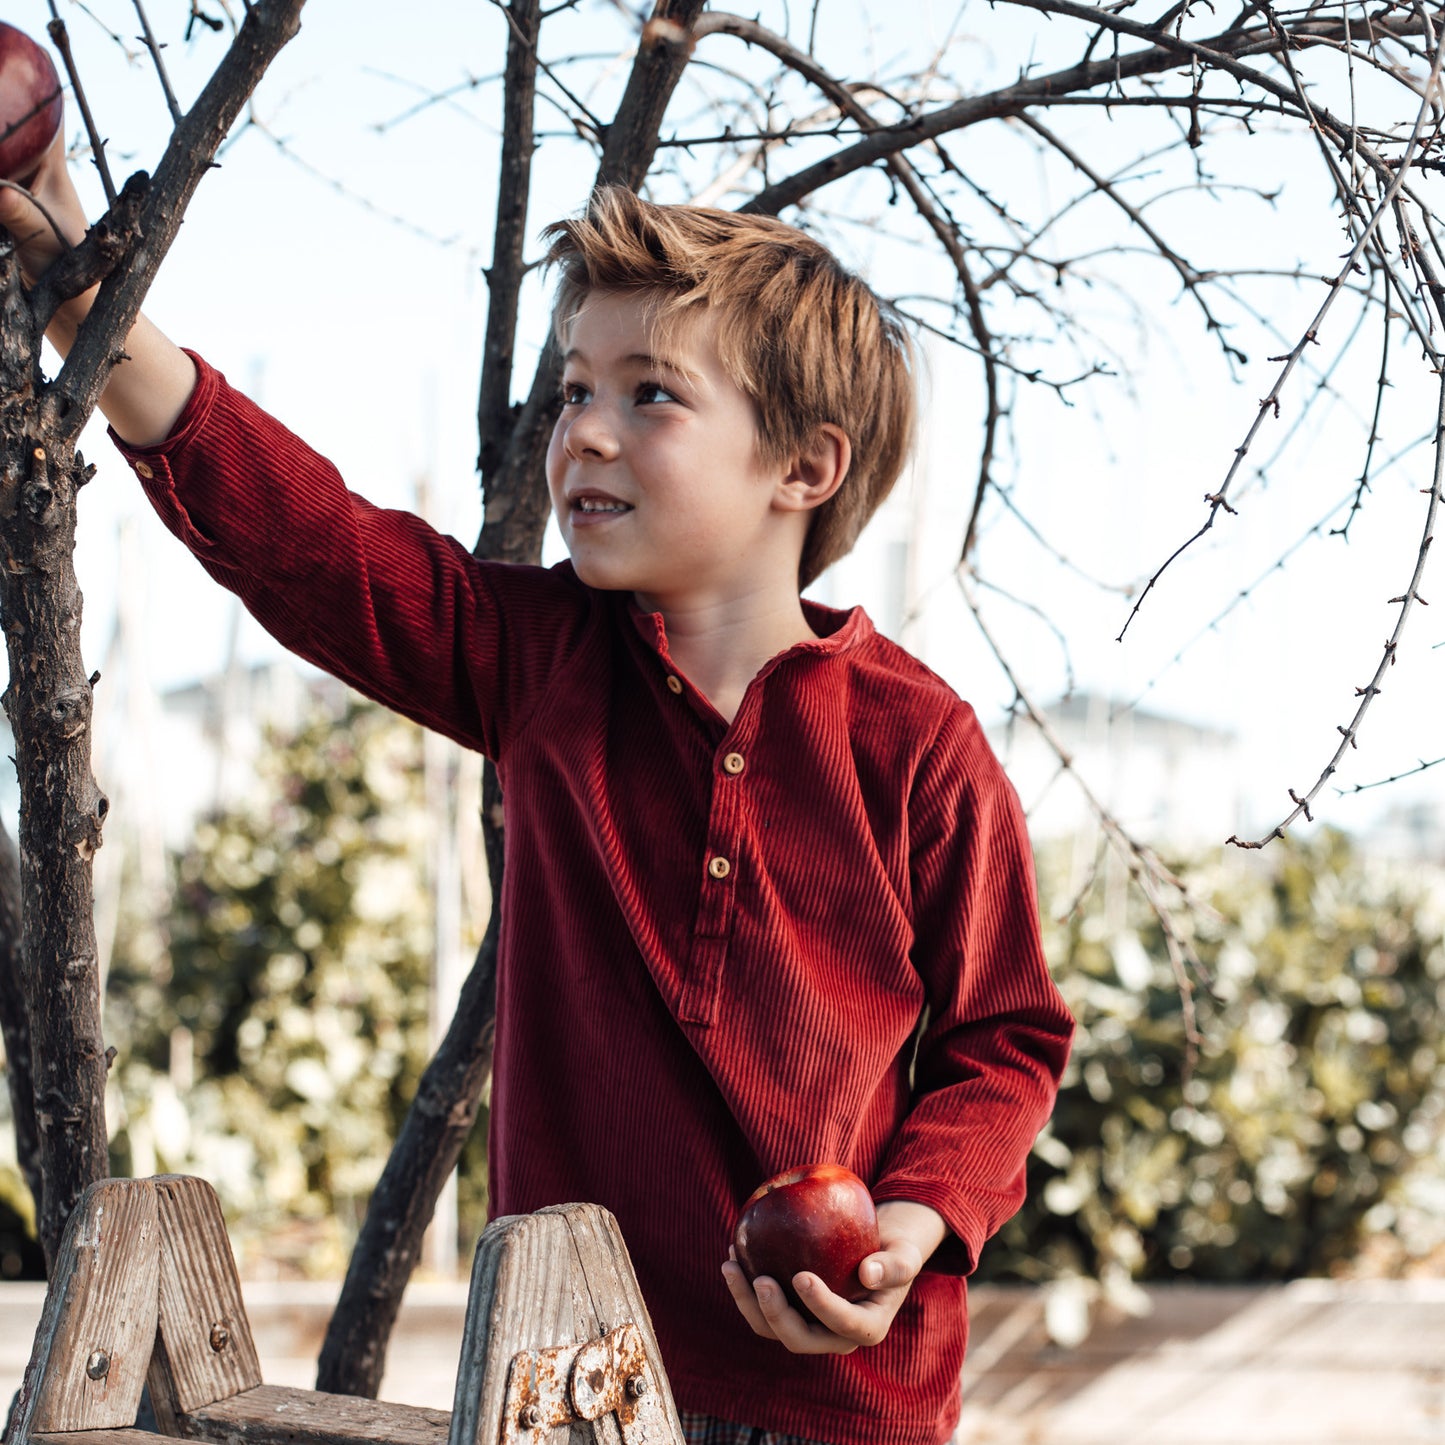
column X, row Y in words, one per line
column 733, row 763
column 674, row 684
column 719, row 867
column 142, row 470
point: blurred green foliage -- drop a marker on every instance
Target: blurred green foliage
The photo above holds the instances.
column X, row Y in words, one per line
column 272, row 1028
column 1306, row 1134
column 272, row 1034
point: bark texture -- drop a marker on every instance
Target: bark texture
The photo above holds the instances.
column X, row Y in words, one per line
column 15, row 1020
column 61, row 808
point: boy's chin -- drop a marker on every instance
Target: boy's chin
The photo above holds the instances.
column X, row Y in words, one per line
column 597, row 573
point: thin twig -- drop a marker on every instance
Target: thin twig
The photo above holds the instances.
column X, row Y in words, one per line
column 1218, row 499
column 1367, row 694
column 150, row 43
column 61, row 37
column 1395, row 778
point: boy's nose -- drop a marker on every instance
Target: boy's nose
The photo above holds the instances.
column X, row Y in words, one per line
column 589, row 436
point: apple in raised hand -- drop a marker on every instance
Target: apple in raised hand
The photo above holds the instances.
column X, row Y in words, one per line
column 31, row 107
column 819, row 1218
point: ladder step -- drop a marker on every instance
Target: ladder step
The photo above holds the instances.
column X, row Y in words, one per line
column 124, row 1436
column 278, row 1415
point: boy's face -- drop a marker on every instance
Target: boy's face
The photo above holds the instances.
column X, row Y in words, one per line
column 654, row 466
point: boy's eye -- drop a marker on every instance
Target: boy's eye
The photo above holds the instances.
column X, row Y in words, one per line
column 573, row 393
column 651, row 391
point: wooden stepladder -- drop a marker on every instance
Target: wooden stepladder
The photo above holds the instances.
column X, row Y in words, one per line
column 557, row 1348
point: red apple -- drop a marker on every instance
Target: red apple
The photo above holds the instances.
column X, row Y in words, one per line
column 31, row 107
column 819, row 1218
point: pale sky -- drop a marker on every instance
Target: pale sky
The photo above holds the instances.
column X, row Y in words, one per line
column 364, row 335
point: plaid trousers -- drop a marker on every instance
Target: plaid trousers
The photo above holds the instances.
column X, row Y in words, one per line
column 708, row 1430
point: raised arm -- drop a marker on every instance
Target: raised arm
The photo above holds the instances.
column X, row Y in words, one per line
column 148, row 390
column 376, row 598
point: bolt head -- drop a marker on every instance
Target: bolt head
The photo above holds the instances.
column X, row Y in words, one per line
column 531, row 1417
column 220, row 1337
column 637, row 1386
column 98, row 1365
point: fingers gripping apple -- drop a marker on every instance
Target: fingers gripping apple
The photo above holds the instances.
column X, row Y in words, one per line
column 819, row 1218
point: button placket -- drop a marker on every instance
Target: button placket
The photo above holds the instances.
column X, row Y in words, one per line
column 723, row 871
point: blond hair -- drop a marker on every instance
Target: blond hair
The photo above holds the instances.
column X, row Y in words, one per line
column 800, row 335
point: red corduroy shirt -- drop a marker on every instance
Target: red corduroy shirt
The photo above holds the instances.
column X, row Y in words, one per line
column 809, row 934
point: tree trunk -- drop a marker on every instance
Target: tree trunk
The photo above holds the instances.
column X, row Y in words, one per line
column 62, row 810
column 15, row 1021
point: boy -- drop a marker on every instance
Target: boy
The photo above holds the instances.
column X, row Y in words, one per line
column 768, row 898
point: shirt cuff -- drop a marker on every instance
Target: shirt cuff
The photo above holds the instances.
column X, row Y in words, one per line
column 958, row 1254
column 192, row 418
column 152, row 464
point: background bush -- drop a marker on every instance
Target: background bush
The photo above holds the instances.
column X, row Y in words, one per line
column 1307, row 1136
column 273, row 1036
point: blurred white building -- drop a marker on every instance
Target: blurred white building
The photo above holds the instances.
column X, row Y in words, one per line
column 1160, row 777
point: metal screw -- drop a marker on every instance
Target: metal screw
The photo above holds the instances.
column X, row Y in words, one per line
column 98, row 1365
column 220, row 1337
column 531, row 1417
column 636, row 1386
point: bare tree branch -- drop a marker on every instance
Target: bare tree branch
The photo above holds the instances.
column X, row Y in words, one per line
column 504, row 276
column 1368, row 693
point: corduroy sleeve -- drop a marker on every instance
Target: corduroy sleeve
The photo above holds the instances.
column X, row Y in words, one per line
column 378, row 598
column 997, row 1034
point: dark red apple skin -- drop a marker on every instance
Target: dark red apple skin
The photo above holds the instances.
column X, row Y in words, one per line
column 31, row 107
column 819, row 1218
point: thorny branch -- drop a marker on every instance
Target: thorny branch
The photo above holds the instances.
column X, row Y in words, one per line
column 1218, row 499
column 1368, row 693
column 1167, row 894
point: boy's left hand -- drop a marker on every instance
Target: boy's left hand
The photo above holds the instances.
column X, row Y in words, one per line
column 907, row 1234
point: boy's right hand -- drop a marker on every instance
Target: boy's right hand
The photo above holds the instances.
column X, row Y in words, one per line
column 148, row 390
column 36, row 243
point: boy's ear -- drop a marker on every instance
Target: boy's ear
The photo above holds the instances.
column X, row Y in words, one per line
column 816, row 472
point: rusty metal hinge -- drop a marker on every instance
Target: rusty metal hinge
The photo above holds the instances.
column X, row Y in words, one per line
column 547, row 1388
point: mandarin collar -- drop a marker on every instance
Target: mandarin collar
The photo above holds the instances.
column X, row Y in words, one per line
column 840, row 629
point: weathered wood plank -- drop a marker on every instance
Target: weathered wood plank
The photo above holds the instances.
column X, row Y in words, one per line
column 98, row 1437
column 88, row 1363
column 277, row 1415
column 524, row 1296
column 615, row 1298
column 556, row 1277
column 203, row 1350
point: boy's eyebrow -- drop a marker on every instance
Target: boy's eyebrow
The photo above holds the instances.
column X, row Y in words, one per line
column 646, row 359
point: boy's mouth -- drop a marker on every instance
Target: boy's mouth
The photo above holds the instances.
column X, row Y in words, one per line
column 590, row 505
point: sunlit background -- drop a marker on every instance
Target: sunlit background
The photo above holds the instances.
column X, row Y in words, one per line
column 332, row 267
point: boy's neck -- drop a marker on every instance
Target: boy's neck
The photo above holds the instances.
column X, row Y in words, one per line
column 722, row 645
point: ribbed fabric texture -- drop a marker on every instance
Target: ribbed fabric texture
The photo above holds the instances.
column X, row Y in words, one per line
column 718, row 940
